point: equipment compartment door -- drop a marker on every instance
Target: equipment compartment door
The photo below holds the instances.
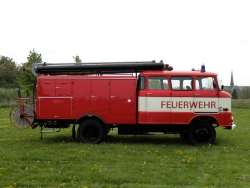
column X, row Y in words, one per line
column 100, row 97
column 64, row 87
column 46, row 87
column 82, row 97
column 123, row 101
column 54, row 107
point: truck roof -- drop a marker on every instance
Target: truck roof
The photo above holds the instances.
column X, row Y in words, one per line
column 179, row 73
column 85, row 76
column 114, row 76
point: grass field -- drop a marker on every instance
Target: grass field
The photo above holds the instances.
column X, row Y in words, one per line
column 241, row 103
column 124, row 161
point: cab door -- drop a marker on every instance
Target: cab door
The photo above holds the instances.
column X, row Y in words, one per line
column 206, row 95
column 157, row 96
column 182, row 99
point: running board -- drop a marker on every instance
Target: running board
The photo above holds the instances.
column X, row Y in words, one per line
column 48, row 131
column 154, row 133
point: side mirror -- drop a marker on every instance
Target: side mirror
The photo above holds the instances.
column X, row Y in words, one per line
column 214, row 85
column 222, row 87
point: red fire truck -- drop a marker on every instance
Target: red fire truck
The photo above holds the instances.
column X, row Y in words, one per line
column 97, row 97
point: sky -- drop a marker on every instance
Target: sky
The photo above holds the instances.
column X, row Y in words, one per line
column 183, row 33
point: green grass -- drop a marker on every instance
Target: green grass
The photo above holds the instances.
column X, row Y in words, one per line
column 241, row 103
column 124, row 161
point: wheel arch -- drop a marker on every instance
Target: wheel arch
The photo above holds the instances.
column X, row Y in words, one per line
column 209, row 118
column 91, row 116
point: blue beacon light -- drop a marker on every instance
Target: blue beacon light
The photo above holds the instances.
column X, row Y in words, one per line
column 203, row 68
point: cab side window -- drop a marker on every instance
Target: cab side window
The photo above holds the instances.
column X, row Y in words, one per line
column 182, row 83
column 205, row 83
column 158, row 83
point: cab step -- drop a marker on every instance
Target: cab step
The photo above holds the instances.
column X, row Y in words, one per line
column 48, row 131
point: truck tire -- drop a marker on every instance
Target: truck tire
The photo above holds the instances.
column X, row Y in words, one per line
column 91, row 131
column 201, row 132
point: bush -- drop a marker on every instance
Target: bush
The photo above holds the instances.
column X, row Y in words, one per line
column 9, row 97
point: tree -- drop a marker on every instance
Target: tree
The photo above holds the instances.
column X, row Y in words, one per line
column 9, row 72
column 228, row 90
column 77, row 59
column 245, row 93
column 27, row 79
column 235, row 94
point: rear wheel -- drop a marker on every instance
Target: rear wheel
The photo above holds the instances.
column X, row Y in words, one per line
column 201, row 132
column 91, row 131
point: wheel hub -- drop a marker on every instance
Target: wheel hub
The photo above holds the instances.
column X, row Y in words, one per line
column 202, row 134
column 21, row 116
column 91, row 133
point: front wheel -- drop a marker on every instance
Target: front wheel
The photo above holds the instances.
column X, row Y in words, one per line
column 91, row 131
column 201, row 132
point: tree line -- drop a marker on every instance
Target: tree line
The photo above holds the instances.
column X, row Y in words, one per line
column 244, row 93
column 12, row 75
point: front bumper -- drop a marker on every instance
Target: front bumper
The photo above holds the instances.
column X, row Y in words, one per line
column 232, row 127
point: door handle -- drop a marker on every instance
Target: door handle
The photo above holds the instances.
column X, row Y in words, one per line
column 197, row 94
column 92, row 96
column 149, row 93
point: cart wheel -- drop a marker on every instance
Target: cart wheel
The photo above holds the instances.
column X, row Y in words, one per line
column 22, row 116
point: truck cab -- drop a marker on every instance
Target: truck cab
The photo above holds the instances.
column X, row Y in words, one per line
column 188, row 102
